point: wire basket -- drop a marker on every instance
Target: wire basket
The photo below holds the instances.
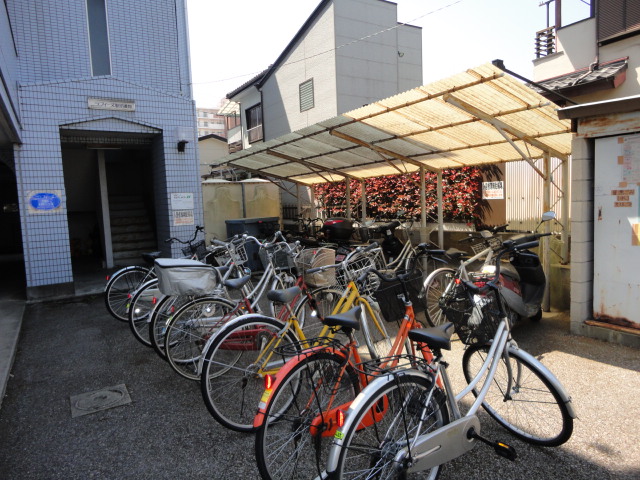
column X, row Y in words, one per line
column 356, row 266
column 316, row 257
column 389, row 296
column 219, row 256
column 475, row 317
column 199, row 249
column 237, row 252
column 494, row 242
column 280, row 256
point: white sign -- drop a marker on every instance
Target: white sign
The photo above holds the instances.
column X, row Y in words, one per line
column 492, row 190
column 183, row 217
column 182, row 201
column 111, row 104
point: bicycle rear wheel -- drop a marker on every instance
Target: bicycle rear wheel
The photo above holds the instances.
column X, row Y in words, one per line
column 189, row 330
column 522, row 399
column 374, row 333
column 406, row 406
column 434, row 287
column 299, row 421
column 121, row 286
column 234, row 365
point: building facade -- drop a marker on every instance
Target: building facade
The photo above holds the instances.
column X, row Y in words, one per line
column 593, row 69
column 97, row 133
column 210, row 123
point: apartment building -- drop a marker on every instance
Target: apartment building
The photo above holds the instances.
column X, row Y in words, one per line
column 210, row 123
column 98, row 140
column 592, row 68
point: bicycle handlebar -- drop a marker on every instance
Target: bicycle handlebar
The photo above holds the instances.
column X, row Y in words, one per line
column 199, row 228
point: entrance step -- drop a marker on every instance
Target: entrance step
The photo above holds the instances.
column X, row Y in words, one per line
column 131, row 231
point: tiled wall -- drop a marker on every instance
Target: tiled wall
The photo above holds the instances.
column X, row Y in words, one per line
column 54, row 87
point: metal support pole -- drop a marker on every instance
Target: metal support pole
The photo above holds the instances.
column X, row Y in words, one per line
column 363, row 201
column 423, row 206
column 440, row 212
column 299, row 199
column 348, row 182
column 544, row 245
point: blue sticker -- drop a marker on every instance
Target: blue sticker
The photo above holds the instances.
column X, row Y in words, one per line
column 44, row 201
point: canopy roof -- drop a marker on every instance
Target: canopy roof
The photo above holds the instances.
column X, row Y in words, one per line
column 478, row 117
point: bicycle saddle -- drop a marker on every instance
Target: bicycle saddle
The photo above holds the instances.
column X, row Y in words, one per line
column 237, row 283
column 349, row 319
column 285, row 295
column 150, row 257
column 435, row 337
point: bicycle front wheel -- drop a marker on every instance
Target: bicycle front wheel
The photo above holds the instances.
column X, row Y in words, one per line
column 140, row 309
column 521, row 399
column 299, row 420
column 160, row 317
column 190, row 329
column 434, row 287
column 234, row 365
column 402, row 409
column 120, row 288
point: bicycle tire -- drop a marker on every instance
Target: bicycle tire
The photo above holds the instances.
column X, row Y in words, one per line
column 289, row 441
column 160, row 317
column 370, row 452
column 434, row 287
column 230, row 381
column 142, row 303
column 533, row 411
column 121, row 285
column 190, row 329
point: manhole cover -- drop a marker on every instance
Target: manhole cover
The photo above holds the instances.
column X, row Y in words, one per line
column 102, row 399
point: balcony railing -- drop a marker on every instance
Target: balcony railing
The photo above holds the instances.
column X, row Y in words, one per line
column 255, row 134
column 545, row 42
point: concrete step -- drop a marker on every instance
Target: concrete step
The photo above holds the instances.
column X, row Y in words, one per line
column 139, row 236
column 126, row 206
column 142, row 227
column 146, row 245
column 141, row 212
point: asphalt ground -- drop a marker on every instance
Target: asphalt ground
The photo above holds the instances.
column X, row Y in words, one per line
column 72, row 347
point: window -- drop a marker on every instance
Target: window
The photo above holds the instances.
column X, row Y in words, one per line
column 98, row 37
column 254, row 123
column 617, row 19
column 306, row 95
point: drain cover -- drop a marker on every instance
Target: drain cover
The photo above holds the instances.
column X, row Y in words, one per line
column 102, row 399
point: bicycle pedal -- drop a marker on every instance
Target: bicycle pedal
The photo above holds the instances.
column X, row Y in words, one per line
column 502, row 449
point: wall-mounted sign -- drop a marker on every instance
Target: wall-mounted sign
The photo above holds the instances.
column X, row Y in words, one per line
column 492, row 190
column 44, row 202
column 183, row 217
column 182, row 201
column 111, row 104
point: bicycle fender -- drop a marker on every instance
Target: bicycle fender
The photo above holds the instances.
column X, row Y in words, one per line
column 535, row 363
column 229, row 325
column 362, row 397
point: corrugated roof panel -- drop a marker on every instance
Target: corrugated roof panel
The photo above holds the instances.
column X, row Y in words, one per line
column 446, row 124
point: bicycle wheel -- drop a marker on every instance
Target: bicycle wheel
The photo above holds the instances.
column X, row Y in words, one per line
column 160, row 317
column 119, row 288
column 434, row 287
column 310, row 314
column 234, row 365
column 404, row 407
column 140, row 309
column 522, row 399
column 294, row 438
column 190, row 328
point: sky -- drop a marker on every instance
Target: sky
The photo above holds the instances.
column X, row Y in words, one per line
column 232, row 41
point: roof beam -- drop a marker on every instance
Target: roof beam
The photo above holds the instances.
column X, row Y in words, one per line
column 315, row 168
column 384, row 151
column 500, row 125
column 259, row 172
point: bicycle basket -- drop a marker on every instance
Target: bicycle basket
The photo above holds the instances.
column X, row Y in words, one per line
column 177, row 276
column 475, row 318
column 199, row 249
column 356, row 266
column 238, row 252
column 313, row 258
column 282, row 257
column 220, row 256
column 389, row 297
column 494, row 242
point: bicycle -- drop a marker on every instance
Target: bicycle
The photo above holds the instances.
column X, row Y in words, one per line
column 189, row 329
column 123, row 283
column 242, row 352
column 438, row 280
column 299, row 411
column 421, row 426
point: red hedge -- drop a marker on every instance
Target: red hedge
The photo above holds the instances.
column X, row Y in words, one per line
column 461, row 193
